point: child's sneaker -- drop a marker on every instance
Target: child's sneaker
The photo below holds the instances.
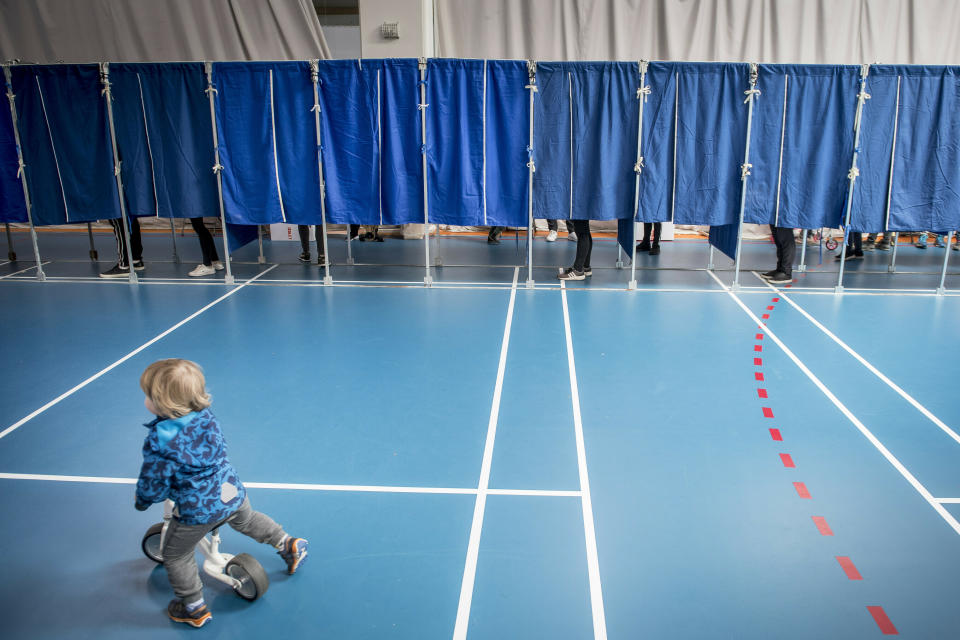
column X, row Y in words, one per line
column 177, row 611
column 294, row 553
column 938, row 241
column 921, row 241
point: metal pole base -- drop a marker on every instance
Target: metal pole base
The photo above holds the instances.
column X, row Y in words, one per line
column 529, row 284
column 230, row 279
column 941, row 291
column 735, row 286
column 632, row 285
column 619, row 264
column 428, row 281
column 838, row 288
column 327, row 280
column 891, row 268
column 350, row 260
column 133, row 277
column 41, row 276
column 261, row 260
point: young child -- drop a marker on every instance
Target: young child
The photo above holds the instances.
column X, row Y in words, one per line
column 185, row 460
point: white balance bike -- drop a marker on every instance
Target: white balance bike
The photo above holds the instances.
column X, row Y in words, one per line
column 240, row 572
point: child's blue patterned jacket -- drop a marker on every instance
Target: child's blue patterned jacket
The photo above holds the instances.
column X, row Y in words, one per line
column 185, row 459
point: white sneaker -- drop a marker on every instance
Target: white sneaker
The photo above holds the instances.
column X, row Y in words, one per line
column 552, row 236
column 202, row 270
column 572, row 236
column 218, row 265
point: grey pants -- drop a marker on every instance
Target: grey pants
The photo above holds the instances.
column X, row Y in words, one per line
column 179, row 547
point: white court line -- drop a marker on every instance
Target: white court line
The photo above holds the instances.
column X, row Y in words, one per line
column 473, row 546
column 10, row 275
column 872, row 369
column 590, row 536
column 948, row 500
column 852, row 418
column 19, row 423
column 301, row 486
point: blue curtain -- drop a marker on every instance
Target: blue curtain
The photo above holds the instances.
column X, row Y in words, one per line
column 165, row 139
column 803, row 184
column 585, row 140
column 65, row 139
column 508, row 135
column 13, row 208
column 371, row 141
column 267, row 142
column 711, row 138
column 455, row 139
column 926, row 171
column 877, row 124
column 659, row 130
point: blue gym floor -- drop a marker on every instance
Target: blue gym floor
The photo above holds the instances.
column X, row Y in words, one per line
column 681, row 461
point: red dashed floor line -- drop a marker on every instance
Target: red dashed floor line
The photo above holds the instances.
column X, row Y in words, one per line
column 849, row 568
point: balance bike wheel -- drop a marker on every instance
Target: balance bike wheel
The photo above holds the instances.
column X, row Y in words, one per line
column 151, row 543
column 253, row 579
column 831, row 244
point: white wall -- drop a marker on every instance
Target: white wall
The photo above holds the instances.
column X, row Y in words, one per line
column 344, row 41
column 407, row 13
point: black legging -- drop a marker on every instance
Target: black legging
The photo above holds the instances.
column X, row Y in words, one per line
column 584, row 245
column 553, row 226
column 207, row 247
column 786, row 249
column 304, row 231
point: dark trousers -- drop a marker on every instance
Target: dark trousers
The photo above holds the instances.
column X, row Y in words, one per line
column 655, row 227
column 207, row 247
column 584, row 244
column 786, row 249
column 136, row 244
column 552, row 225
column 304, row 231
column 855, row 243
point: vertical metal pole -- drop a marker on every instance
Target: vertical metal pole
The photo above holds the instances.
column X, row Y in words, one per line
column 752, row 94
column 108, row 95
column 427, row 278
column 710, row 259
column 946, row 259
column 260, row 258
column 531, row 168
column 437, row 260
column 173, row 238
column 217, row 168
column 892, row 267
column 862, row 97
column 22, row 173
column 93, row 249
column 315, row 78
column 11, row 254
column 642, row 92
column 803, row 252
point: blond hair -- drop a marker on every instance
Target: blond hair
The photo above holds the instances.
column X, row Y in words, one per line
column 175, row 386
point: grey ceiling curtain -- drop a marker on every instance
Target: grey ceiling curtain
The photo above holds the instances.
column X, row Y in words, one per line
column 47, row 31
column 789, row 31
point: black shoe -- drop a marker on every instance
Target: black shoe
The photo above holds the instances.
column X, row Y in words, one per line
column 138, row 265
column 177, row 611
column 849, row 257
column 571, row 274
column 769, row 274
column 321, row 261
column 643, row 246
column 116, row 271
column 655, row 250
column 494, row 237
column 304, row 256
column 780, row 277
